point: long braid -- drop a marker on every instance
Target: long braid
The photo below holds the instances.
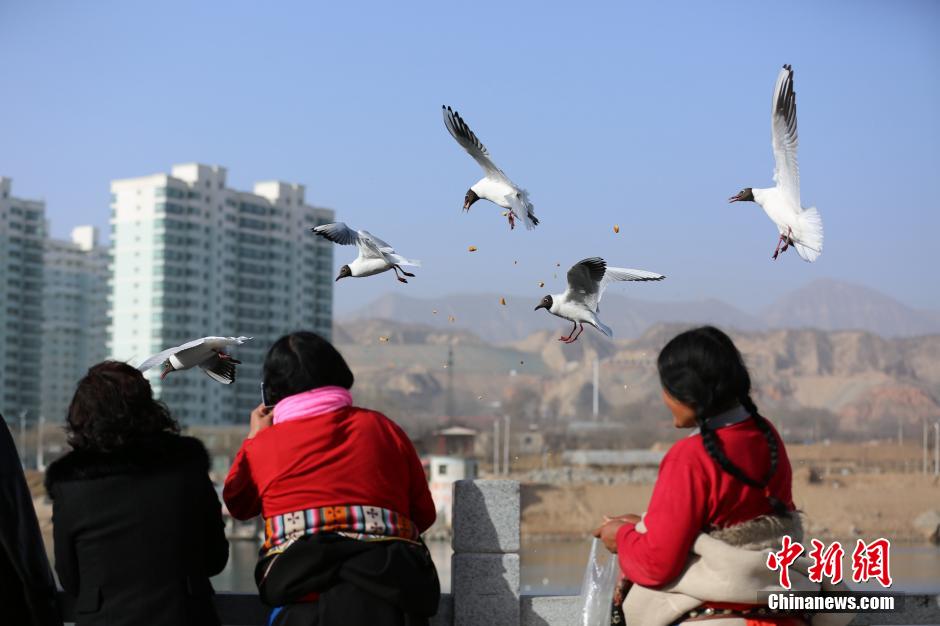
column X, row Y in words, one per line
column 703, row 369
column 717, row 453
column 779, row 507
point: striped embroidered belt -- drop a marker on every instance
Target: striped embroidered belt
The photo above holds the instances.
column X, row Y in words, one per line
column 356, row 521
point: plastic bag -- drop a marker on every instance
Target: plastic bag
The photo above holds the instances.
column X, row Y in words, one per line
column 597, row 589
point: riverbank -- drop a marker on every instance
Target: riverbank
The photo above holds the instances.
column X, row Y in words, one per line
column 839, row 507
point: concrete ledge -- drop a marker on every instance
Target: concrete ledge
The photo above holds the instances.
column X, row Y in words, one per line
column 242, row 609
column 485, row 589
column 542, row 610
column 486, row 516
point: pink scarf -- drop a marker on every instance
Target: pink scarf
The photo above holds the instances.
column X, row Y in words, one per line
column 309, row 403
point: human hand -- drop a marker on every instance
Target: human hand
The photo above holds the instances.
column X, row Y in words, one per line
column 607, row 533
column 261, row 418
column 629, row 518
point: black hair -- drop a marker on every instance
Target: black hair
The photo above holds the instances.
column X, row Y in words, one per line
column 703, row 369
column 113, row 406
column 302, row 361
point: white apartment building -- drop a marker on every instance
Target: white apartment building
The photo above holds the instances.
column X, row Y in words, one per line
column 191, row 257
column 22, row 231
column 75, row 316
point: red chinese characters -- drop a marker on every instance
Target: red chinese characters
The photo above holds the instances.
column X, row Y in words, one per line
column 826, row 562
column 791, row 550
column 871, row 561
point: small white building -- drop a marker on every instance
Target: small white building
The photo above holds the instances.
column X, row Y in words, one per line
column 442, row 473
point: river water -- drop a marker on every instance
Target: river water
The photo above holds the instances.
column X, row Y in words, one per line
column 555, row 567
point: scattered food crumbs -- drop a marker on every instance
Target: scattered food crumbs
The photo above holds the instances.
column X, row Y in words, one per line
column 445, row 366
column 451, row 318
column 472, row 249
column 434, row 311
column 557, row 264
column 521, row 362
column 616, row 228
column 481, row 397
column 541, row 284
column 515, row 262
column 383, row 339
column 502, row 301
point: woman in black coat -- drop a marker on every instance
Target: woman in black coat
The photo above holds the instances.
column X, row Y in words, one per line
column 27, row 590
column 137, row 524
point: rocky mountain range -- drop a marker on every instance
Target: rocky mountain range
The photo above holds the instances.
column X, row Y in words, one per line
column 825, row 382
column 823, row 304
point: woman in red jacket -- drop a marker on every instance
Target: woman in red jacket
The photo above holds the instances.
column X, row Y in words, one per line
column 732, row 470
column 343, row 495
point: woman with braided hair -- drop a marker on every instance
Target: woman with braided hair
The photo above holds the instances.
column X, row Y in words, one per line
column 729, row 481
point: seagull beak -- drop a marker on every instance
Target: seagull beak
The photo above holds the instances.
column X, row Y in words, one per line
column 540, row 306
column 734, row 198
column 338, row 277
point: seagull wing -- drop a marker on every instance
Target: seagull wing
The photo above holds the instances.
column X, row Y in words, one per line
column 785, row 140
column 614, row 274
column 371, row 247
column 337, row 232
column 459, row 130
column 219, row 369
column 584, row 282
column 160, row 357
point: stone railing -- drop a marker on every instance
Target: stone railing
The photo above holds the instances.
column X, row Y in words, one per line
column 485, row 574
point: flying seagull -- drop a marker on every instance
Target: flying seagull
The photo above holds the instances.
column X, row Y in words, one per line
column 375, row 256
column 206, row 353
column 495, row 186
column 798, row 226
column 587, row 281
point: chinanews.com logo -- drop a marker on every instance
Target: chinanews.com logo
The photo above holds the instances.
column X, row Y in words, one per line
column 869, row 562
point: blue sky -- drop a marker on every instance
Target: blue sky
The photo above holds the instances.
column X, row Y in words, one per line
column 644, row 115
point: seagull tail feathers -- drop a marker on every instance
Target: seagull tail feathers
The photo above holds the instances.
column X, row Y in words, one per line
column 400, row 260
column 604, row 328
column 529, row 211
column 810, row 243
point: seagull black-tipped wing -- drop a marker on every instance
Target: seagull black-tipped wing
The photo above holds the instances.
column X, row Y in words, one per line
column 584, row 281
column 459, row 130
column 220, row 369
column 784, row 135
column 337, row 232
column 160, row 357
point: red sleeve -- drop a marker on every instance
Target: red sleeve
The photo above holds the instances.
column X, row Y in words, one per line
column 421, row 509
column 676, row 515
column 240, row 492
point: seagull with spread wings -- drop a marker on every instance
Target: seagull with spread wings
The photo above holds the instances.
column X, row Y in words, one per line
column 375, row 256
column 206, row 353
column 587, row 280
column 799, row 227
column 495, row 186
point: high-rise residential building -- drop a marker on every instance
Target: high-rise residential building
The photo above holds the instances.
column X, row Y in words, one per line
column 22, row 232
column 75, row 316
column 191, row 257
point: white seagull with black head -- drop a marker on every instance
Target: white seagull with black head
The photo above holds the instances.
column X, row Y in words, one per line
column 587, row 281
column 375, row 256
column 798, row 227
column 495, row 186
column 206, row 353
